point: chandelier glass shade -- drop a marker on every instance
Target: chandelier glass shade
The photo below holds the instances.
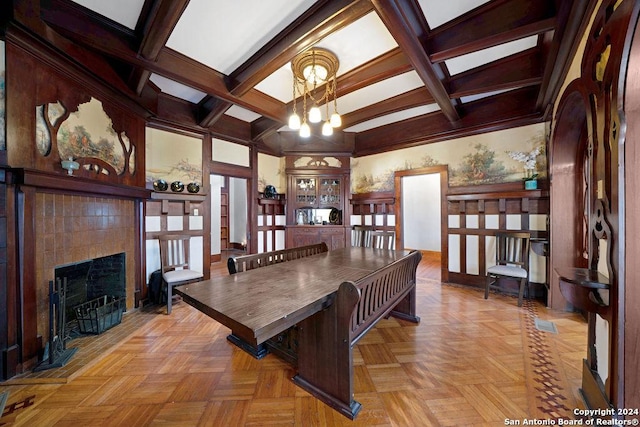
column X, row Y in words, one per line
column 314, row 81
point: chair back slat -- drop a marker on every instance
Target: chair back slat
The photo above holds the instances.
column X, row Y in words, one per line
column 174, row 252
column 383, row 239
column 361, row 236
column 512, row 248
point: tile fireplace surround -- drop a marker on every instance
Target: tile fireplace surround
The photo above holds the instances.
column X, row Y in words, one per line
column 73, row 228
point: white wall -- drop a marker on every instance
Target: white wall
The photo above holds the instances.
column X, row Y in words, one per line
column 237, row 210
column 421, row 212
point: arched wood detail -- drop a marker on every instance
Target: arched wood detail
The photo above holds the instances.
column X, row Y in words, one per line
column 569, row 189
column 593, row 106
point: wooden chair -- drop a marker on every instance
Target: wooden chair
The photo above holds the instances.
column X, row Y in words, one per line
column 174, row 261
column 383, row 239
column 361, row 235
column 512, row 261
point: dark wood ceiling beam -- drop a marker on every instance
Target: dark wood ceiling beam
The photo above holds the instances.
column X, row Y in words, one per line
column 210, row 109
column 515, row 71
column 573, row 19
column 119, row 44
column 263, row 127
column 510, row 20
column 411, row 99
column 498, row 112
column 159, row 25
column 389, row 64
column 539, row 27
column 155, row 29
column 320, row 20
column 400, row 18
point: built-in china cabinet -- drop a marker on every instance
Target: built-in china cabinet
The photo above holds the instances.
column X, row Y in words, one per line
column 317, row 192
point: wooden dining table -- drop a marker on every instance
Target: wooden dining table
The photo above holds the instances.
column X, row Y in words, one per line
column 296, row 309
column 261, row 303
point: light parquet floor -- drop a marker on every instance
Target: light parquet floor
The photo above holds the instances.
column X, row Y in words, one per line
column 469, row 362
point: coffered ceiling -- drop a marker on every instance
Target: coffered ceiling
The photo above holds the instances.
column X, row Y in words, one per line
column 411, row 71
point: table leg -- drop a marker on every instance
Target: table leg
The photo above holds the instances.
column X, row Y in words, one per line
column 258, row 351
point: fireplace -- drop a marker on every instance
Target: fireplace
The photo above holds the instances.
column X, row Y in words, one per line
column 91, row 279
column 73, row 229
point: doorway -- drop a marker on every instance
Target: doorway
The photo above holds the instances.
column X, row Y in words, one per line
column 421, row 210
column 229, row 216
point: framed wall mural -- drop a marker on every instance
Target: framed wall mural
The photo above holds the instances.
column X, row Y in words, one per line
column 86, row 135
column 498, row 157
column 3, row 115
column 172, row 157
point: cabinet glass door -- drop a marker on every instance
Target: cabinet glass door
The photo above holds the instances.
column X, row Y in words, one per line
column 305, row 191
column 329, row 191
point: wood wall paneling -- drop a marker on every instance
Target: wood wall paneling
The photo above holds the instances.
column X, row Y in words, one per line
column 509, row 201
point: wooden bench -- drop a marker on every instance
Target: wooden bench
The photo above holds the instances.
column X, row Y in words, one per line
column 329, row 335
column 249, row 262
column 285, row 344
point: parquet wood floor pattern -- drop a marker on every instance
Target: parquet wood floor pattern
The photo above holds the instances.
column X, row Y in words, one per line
column 470, row 362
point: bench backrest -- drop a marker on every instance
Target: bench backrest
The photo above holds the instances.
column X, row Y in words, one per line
column 369, row 299
column 249, row 262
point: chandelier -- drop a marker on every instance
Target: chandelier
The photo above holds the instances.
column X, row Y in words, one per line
column 312, row 69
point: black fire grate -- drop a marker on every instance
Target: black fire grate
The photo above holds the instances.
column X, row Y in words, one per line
column 100, row 314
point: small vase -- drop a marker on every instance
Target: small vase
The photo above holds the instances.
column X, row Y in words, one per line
column 177, row 186
column 193, row 187
column 160, row 185
column 531, row 184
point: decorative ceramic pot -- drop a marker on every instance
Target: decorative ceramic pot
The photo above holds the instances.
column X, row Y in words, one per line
column 193, row 187
column 160, row 185
column 270, row 192
column 177, row 186
column 531, row 184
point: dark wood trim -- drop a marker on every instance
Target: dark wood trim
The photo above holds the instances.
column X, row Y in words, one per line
column 73, row 184
column 443, row 171
column 227, row 169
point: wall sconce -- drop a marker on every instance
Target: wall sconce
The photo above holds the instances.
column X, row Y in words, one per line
column 70, row 165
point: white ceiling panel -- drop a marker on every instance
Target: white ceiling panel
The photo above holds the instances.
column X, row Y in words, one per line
column 279, row 84
column 242, row 114
column 360, row 42
column 223, row 34
column 437, row 14
column 393, row 118
column 177, row 89
column 472, row 60
column 125, row 12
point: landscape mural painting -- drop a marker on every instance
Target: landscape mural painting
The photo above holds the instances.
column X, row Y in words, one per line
column 475, row 160
column 89, row 133
column 173, row 157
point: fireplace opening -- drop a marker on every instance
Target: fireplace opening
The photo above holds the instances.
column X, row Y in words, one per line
column 88, row 281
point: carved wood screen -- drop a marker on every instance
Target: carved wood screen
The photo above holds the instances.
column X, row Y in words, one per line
column 597, row 97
